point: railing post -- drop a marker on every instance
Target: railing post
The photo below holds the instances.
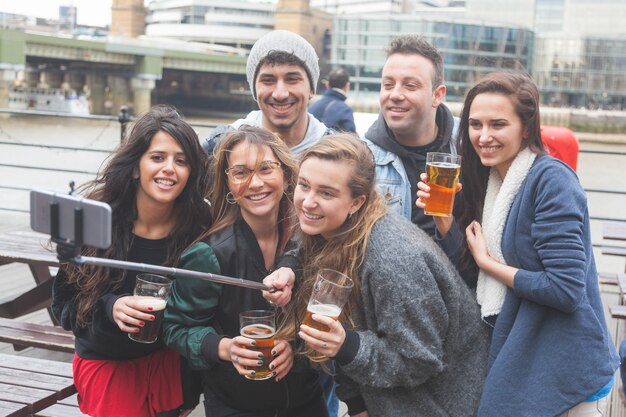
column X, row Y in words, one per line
column 123, row 117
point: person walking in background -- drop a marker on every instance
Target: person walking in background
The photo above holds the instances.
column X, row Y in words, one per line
column 410, row 341
column 254, row 180
column 155, row 183
column 521, row 225
column 282, row 71
column 412, row 122
column 332, row 109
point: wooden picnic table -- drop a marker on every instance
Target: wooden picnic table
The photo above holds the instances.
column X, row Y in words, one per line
column 614, row 231
column 29, row 248
column 30, row 385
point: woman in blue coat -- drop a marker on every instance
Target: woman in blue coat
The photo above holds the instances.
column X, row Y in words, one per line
column 522, row 224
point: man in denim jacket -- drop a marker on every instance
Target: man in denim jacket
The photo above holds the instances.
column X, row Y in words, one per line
column 412, row 122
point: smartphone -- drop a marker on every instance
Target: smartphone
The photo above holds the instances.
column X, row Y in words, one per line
column 96, row 217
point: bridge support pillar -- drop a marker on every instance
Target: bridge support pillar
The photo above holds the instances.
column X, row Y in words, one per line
column 74, row 81
column 142, row 94
column 31, row 76
column 7, row 78
column 51, row 78
column 96, row 85
column 120, row 93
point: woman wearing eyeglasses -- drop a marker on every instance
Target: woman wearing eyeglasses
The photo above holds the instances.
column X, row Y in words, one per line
column 254, row 182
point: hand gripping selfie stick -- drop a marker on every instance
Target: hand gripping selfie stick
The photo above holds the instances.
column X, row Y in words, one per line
column 68, row 250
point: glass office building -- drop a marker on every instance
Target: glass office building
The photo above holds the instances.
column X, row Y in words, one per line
column 470, row 49
column 586, row 71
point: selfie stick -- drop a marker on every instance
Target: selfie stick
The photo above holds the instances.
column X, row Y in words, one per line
column 68, row 251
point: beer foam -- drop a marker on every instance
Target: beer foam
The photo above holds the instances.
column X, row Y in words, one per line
column 157, row 304
column 328, row 310
column 445, row 165
column 270, row 331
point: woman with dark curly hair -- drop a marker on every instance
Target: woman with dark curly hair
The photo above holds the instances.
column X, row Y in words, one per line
column 155, row 183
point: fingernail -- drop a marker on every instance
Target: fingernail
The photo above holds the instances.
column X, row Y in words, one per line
column 277, row 379
column 141, row 323
column 273, row 373
column 151, row 317
column 253, row 343
column 274, row 353
column 136, row 330
column 252, row 373
column 272, row 366
column 149, row 308
column 260, row 362
column 260, row 355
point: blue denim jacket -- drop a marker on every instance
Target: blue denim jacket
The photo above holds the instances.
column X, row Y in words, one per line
column 391, row 179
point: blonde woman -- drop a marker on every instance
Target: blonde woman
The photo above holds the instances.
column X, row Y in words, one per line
column 410, row 341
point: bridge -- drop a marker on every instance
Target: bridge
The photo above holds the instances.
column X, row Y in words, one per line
column 125, row 71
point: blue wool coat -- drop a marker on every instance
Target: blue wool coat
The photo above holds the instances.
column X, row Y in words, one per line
column 551, row 348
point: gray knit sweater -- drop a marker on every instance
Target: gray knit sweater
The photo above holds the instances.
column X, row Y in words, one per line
column 422, row 345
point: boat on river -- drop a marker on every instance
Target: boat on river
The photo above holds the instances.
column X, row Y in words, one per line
column 48, row 99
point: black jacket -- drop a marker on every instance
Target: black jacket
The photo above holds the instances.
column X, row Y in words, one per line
column 200, row 313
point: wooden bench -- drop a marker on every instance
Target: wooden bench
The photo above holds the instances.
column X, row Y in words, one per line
column 607, row 278
column 618, row 312
column 64, row 408
column 614, row 231
column 30, row 385
column 29, row 248
column 22, row 335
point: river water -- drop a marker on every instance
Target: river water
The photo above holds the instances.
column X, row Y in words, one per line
column 30, row 158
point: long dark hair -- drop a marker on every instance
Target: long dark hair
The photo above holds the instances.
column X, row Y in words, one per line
column 116, row 185
column 523, row 93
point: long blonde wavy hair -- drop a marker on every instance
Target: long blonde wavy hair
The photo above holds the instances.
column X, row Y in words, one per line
column 345, row 252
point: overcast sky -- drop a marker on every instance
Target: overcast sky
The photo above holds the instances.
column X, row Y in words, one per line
column 90, row 12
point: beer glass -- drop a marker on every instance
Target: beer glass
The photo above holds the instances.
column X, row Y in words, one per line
column 153, row 290
column 443, row 171
column 330, row 293
column 259, row 325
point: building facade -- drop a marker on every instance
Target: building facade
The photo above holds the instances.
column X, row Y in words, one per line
column 236, row 23
column 470, row 49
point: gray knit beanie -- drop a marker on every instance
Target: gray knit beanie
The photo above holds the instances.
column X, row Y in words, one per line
column 283, row 41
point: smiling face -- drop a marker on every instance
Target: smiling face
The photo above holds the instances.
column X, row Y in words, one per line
column 407, row 99
column 163, row 171
column 259, row 198
column 322, row 198
column 283, row 93
column 495, row 131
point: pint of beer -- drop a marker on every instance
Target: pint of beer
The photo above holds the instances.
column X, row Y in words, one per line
column 330, row 293
column 328, row 310
column 153, row 290
column 443, row 175
column 260, row 326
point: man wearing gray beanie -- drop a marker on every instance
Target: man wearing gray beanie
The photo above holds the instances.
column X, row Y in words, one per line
column 282, row 71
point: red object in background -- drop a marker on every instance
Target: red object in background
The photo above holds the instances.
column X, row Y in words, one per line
column 561, row 143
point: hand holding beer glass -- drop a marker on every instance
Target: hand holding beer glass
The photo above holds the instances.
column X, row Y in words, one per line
column 258, row 328
column 443, row 172
column 151, row 294
column 323, row 333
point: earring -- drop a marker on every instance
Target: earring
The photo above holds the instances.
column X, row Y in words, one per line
column 230, row 198
column 350, row 214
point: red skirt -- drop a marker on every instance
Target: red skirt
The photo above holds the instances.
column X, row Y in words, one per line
column 129, row 388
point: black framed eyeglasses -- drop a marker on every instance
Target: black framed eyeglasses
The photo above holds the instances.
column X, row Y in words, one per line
column 266, row 171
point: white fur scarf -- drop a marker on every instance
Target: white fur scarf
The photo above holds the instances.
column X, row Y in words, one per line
column 490, row 292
